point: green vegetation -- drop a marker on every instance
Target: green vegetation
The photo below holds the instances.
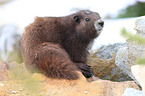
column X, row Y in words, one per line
column 141, row 60
column 132, row 37
column 23, row 80
column 138, row 9
column 15, row 56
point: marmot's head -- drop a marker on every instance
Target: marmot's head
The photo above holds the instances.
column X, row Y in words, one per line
column 88, row 24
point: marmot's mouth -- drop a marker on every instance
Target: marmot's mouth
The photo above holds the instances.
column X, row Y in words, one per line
column 99, row 28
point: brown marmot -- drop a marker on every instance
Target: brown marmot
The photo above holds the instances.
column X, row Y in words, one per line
column 58, row 46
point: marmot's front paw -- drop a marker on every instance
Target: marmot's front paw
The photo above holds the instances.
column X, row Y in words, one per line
column 85, row 69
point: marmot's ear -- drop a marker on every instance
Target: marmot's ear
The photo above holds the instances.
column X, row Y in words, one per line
column 77, row 19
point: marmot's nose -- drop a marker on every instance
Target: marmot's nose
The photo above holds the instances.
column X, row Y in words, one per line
column 101, row 22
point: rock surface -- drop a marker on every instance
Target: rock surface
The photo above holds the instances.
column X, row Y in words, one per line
column 97, row 88
column 121, row 61
column 10, row 43
column 127, row 57
column 21, row 83
column 139, row 73
column 135, row 50
column 3, row 71
column 140, row 26
column 44, row 86
column 107, row 51
column 132, row 92
column 103, row 63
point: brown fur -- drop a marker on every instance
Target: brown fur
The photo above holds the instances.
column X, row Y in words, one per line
column 57, row 46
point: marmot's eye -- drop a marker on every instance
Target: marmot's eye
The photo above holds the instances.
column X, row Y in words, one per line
column 87, row 19
column 77, row 19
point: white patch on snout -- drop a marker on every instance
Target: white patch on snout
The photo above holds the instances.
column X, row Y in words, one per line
column 98, row 27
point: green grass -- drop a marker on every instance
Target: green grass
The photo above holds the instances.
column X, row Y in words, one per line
column 133, row 37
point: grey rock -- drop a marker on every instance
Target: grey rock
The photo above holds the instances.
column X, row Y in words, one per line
column 9, row 41
column 133, row 92
column 121, row 57
column 135, row 51
column 140, row 26
column 127, row 56
column 121, row 61
column 105, row 67
column 107, row 51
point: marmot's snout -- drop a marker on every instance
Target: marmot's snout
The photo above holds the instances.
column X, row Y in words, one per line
column 99, row 24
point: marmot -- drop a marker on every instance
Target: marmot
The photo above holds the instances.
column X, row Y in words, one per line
column 58, row 46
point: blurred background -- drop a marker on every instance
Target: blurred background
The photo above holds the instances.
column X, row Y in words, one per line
column 15, row 15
